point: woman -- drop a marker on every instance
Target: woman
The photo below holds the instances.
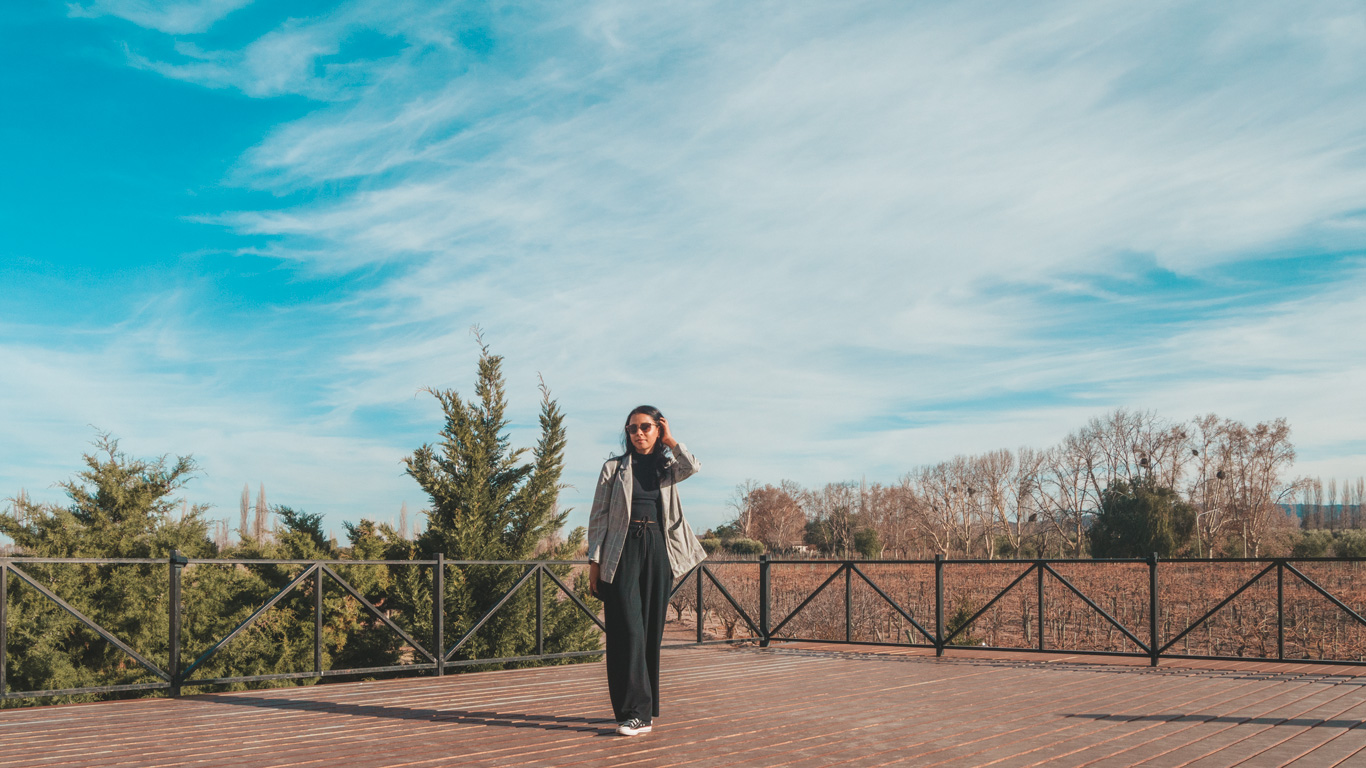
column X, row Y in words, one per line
column 638, row 543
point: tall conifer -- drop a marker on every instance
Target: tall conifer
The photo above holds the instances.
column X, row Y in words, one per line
column 488, row 505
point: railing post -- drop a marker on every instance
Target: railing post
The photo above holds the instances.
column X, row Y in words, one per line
column 177, row 563
column 1280, row 609
column 1152, row 610
column 4, row 620
column 540, row 611
column 848, row 602
column 698, row 571
column 318, row 620
column 939, row 604
column 1039, row 566
column 439, row 613
column 764, row 592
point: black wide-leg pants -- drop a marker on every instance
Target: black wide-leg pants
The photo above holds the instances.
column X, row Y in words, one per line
column 634, row 607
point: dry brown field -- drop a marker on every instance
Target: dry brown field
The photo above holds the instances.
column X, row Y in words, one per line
column 1246, row 627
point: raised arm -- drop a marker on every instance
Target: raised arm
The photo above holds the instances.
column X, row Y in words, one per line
column 686, row 464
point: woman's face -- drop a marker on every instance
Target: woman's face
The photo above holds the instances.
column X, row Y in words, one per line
column 642, row 431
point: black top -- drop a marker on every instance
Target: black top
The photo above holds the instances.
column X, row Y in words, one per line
column 645, row 501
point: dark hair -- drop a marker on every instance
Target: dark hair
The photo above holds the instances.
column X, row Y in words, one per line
column 661, row 462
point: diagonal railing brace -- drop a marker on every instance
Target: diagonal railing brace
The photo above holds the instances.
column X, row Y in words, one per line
column 101, row 631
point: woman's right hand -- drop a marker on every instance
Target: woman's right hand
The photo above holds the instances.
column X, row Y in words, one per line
column 594, row 574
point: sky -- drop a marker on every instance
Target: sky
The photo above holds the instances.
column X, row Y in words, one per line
column 831, row 241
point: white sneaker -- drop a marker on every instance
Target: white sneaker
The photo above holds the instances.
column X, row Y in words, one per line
column 633, row 727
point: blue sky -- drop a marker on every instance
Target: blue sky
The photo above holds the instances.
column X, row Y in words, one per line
column 830, row 241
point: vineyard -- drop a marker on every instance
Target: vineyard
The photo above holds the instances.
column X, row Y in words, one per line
column 1313, row 627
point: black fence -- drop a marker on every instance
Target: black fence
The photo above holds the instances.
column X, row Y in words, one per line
column 1201, row 609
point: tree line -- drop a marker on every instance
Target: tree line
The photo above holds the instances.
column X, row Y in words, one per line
column 1127, row 483
column 488, row 501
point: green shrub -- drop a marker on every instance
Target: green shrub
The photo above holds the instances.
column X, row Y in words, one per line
column 961, row 614
column 744, row 547
column 1312, row 544
column 1350, row 544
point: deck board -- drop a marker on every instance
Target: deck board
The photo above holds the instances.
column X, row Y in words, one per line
column 805, row 705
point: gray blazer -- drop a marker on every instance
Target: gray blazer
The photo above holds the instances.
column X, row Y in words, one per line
column 611, row 515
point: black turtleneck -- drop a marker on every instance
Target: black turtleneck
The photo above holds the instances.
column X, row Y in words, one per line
column 645, row 502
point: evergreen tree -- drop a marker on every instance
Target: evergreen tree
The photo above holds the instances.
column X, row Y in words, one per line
column 120, row 507
column 487, row 505
column 124, row 507
column 1140, row 519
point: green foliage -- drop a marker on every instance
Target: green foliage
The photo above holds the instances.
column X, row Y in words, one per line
column 710, row 544
column 867, row 543
column 1350, row 543
column 821, row 534
column 309, row 526
column 124, row 507
column 962, row 613
column 487, row 505
column 727, row 531
column 818, row 534
column 1317, row 543
column 1138, row 520
column 744, row 547
column 119, row 507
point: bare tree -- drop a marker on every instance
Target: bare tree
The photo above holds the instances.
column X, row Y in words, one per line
column 992, row 476
column 1206, row 489
column 1257, row 458
column 262, row 512
column 1066, row 490
column 834, row 508
column 1358, row 501
column 742, row 503
column 221, row 534
column 242, row 530
column 935, row 519
column 891, row 510
column 1311, row 503
column 1231, row 473
column 20, row 506
column 948, row 512
column 779, row 520
column 1025, row 501
column 1334, row 512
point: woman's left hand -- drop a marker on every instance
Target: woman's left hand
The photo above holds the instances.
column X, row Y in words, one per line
column 665, row 435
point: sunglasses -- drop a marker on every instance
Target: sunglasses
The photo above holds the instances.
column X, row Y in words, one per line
column 644, row 429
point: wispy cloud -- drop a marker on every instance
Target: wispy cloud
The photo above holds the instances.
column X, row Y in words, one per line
column 828, row 240
column 170, row 16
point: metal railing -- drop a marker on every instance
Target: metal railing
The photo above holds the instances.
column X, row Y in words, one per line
column 928, row 630
column 938, row 635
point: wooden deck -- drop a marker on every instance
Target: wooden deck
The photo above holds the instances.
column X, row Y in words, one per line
column 787, row 706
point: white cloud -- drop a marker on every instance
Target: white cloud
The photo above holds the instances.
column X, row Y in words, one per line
column 788, row 226
column 55, row 401
column 170, row 17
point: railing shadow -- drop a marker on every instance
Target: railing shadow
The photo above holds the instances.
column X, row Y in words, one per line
column 603, row 726
column 1299, row 722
